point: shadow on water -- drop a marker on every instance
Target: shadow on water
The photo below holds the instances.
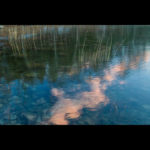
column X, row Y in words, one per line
column 68, row 74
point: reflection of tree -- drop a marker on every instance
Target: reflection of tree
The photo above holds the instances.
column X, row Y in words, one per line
column 66, row 50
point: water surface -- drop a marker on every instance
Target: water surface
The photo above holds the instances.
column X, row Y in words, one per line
column 75, row 75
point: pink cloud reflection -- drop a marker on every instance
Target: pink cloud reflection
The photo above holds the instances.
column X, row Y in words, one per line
column 67, row 108
column 70, row 108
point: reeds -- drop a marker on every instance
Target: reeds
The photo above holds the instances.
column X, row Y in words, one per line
column 24, row 38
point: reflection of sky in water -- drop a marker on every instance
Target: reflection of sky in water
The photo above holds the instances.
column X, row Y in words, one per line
column 116, row 93
column 89, row 93
column 71, row 108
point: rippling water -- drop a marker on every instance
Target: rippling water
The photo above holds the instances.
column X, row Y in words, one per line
column 75, row 75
